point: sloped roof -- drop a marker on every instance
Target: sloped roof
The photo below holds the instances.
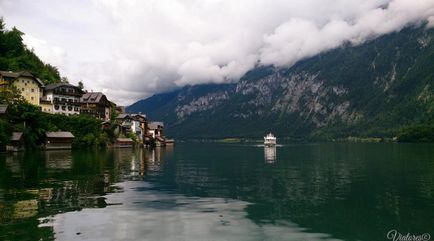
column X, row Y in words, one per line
column 3, row 109
column 16, row 136
column 154, row 125
column 92, row 97
column 56, row 85
column 9, row 74
column 19, row 74
column 139, row 115
column 59, row 134
column 122, row 116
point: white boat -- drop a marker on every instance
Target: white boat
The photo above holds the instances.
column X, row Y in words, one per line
column 269, row 140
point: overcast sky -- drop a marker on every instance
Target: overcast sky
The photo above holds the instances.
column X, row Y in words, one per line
column 130, row 49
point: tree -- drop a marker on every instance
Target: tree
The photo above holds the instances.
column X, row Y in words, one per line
column 15, row 56
column 80, row 85
column 10, row 94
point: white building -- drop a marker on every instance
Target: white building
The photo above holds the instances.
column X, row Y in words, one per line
column 63, row 98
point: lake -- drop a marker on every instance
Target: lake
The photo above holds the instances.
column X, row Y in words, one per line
column 209, row 191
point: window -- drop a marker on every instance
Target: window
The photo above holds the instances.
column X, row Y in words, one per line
column 70, row 108
column 22, row 89
column 63, row 107
column 33, row 90
column 32, row 98
column 56, row 107
column 25, row 84
column 75, row 108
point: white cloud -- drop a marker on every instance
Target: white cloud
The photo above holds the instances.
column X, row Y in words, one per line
column 47, row 52
column 131, row 49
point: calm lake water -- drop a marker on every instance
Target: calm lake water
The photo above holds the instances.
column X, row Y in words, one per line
column 332, row 191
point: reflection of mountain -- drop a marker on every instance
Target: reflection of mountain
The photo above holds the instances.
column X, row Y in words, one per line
column 350, row 191
column 337, row 184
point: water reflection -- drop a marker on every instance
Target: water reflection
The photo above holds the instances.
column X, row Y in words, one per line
column 270, row 154
column 57, row 160
column 150, row 214
column 218, row 192
column 13, row 162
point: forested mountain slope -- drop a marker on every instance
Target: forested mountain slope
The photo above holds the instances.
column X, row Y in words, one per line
column 368, row 90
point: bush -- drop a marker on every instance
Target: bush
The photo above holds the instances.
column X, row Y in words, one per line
column 416, row 133
column 34, row 123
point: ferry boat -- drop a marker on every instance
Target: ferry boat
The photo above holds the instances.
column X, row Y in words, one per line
column 269, row 140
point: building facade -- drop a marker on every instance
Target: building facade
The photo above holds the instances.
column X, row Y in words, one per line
column 133, row 123
column 58, row 140
column 97, row 105
column 61, row 98
column 155, row 129
column 29, row 86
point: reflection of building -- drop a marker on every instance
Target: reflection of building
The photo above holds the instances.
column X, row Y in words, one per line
column 25, row 209
column 154, row 158
column 270, row 154
column 97, row 105
column 13, row 163
column 58, row 159
column 29, row 86
column 130, row 163
column 61, row 98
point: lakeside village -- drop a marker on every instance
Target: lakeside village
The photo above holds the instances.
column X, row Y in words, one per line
column 64, row 100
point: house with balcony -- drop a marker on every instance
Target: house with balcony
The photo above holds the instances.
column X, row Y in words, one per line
column 132, row 123
column 155, row 132
column 97, row 105
column 28, row 85
column 61, row 98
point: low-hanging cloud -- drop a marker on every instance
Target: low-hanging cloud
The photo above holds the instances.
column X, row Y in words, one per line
column 132, row 49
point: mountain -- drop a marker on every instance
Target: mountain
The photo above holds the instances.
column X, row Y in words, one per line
column 15, row 56
column 372, row 89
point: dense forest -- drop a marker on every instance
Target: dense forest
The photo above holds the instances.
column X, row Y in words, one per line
column 15, row 56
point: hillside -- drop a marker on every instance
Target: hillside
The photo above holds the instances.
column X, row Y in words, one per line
column 14, row 56
column 368, row 90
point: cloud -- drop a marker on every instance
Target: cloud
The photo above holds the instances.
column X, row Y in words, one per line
column 132, row 49
column 54, row 54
